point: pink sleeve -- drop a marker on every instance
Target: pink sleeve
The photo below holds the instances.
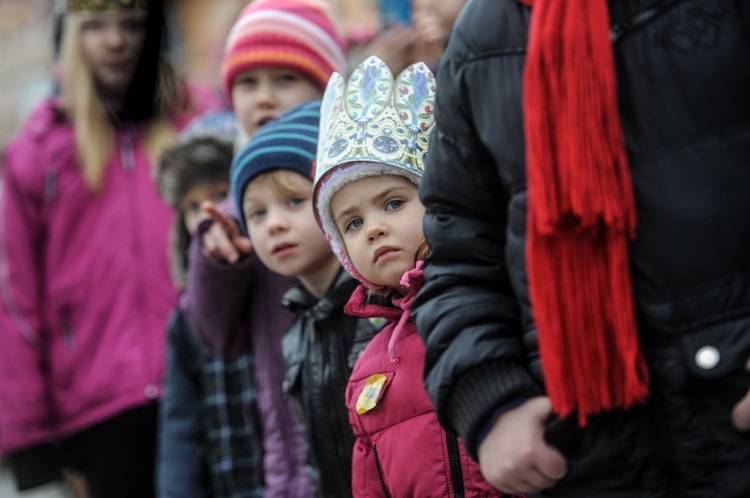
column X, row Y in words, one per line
column 25, row 413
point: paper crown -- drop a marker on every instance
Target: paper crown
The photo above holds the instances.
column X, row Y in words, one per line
column 88, row 5
column 372, row 126
column 374, row 118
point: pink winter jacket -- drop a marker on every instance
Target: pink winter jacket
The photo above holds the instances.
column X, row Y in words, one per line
column 85, row 289
column 401, row 450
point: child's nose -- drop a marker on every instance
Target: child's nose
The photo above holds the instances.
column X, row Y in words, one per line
column 376, row 229
column 266, row 94
column 277, row 222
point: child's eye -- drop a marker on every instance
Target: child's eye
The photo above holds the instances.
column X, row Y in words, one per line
column 245, row 81
column 220, row 196
column 353, row 224
column 254, row 214
column 92, row 25
column 193, row 207
column 393, row 204
column 288, row 78
column 296, row 201
column 135, row 25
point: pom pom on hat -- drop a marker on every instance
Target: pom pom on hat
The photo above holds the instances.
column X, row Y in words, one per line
column 288, row 142
column 296, row 34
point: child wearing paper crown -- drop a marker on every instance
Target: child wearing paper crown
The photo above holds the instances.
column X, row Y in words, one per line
column 279, row 54
column 373, row 142
column 271, row 183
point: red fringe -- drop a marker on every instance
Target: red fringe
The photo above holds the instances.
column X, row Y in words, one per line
column 581, row 212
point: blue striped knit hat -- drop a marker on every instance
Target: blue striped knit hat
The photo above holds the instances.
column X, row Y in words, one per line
column 287, row 142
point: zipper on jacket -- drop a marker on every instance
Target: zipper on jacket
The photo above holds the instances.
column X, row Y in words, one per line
column 619, row 28
column 128, row 152
column 311, row 326
column 68, row 336
column 454, row 460
column 50, row 186
column 380, row 471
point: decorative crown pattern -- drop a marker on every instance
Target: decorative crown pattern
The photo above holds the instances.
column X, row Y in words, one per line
column 376, row 118
column 87, row 5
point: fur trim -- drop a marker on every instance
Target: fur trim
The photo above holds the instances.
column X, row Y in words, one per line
column 334, row 181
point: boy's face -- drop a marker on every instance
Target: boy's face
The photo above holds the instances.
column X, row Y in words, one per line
column 283, row 230
column 190, row 204
column 111, row 45
column 380, row 221
column 261, row 94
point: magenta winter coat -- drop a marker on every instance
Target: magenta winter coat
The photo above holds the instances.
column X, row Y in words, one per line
column 85, row 289
column 401, row 449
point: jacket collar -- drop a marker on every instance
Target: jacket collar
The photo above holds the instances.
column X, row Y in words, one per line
column 298, row 299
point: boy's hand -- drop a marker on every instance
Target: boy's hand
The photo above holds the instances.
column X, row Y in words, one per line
column 741, row 411
column 514, row 456
column 223, row 241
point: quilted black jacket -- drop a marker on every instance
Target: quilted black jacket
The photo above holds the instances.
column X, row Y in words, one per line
column 683, row 69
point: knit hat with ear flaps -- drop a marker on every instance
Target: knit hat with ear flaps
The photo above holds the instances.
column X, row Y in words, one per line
column 374, row 125
column 287, row 142
column 193, row 161
column 294, row 34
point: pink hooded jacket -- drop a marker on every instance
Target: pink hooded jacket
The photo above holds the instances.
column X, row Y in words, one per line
column 85, row 289
column 401, row 448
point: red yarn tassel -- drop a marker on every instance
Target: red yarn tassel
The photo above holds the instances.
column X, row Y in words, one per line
column 581, row 212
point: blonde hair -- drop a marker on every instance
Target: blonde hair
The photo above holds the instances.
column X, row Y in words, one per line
column 94, row 130
column 287, row 181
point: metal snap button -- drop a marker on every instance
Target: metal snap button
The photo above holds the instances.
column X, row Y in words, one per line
column 707, row 357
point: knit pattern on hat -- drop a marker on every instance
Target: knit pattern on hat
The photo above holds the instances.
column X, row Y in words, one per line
column 288, row 142
column 295, row 34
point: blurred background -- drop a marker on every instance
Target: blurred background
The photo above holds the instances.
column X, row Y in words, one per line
column 197, row 31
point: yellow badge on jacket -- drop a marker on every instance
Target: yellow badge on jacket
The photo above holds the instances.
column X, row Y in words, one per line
column 368, row 398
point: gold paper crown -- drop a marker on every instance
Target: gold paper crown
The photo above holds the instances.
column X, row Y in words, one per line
column 88, row 5
column 376, row 118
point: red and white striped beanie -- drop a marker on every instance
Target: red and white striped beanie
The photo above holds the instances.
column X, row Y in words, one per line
column 295, row 34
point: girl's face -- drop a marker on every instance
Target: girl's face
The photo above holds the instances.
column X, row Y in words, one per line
column 111, row 44
column 190, row 204
column 279, row 216
column 260, row 94
column 380, row 221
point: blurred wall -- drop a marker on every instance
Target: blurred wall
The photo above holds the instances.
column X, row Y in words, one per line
column 25, row 59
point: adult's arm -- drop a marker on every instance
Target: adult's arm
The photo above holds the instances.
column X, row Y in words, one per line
column 467, row 313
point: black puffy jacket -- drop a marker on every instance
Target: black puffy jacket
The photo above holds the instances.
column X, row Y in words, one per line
column 683, row 69
column 320, row 350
